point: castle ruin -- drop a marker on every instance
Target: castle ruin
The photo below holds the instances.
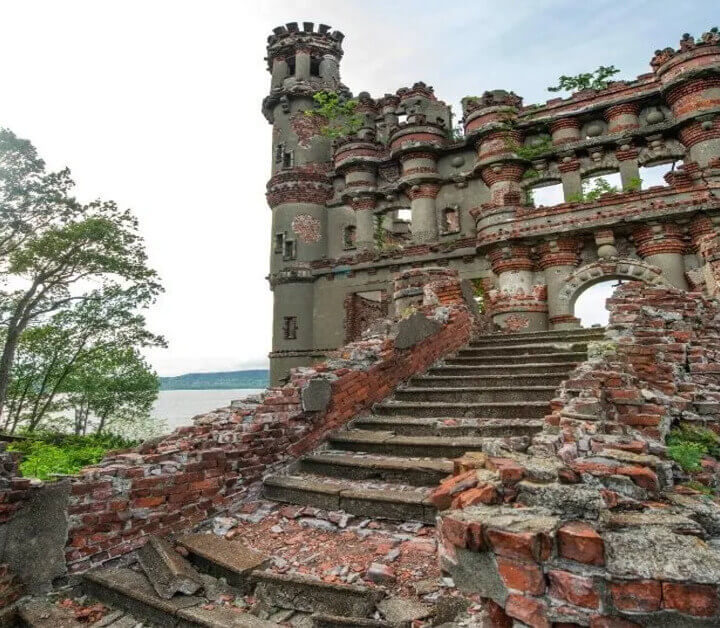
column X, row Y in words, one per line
column 408, row 190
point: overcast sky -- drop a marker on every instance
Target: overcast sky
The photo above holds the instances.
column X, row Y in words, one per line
column 156, row 104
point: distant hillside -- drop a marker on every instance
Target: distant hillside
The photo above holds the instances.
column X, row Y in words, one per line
column 216, row 381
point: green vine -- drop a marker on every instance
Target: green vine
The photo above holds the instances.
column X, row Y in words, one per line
column 339, row 114
column 600, row 186
column 530, row 152
column 587, row 80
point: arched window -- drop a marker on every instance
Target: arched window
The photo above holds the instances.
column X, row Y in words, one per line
column 349, row 237
column 450, row 220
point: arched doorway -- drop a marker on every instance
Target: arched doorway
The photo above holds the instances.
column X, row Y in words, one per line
column 600, row 272
column 590, row 305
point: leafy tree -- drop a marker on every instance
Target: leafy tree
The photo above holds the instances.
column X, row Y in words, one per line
column 54, row 246
column 115, row 386
column 587, row 80
column 339, row 114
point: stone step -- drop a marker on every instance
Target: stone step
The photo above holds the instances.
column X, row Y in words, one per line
column 476, row 394
column 540, row 336
column 430, row 426
column 522, row 349
column 463, row 381
column 388, row 501
column 391, row 469
column 487, row 410
column 482, row 370
column 311, row 595
column 559, row 357
column 388, row 443
column 120, row 587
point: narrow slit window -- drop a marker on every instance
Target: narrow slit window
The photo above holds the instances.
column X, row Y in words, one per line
column 314, row 67
column 290, row 327
column 349, row 235
column 279, row 242
column 290, row 250
column 287, row 159
column 279, row 151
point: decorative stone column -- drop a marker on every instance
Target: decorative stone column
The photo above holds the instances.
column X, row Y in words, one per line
column 622, row 118
column 627, row 155
column 518, row 305
column 364, row 207
column 605, row 242
column 565, row 130
column 424, row 225
column 569, row 168
column 558, row 259
column 662, row 245
column 302, row 64
column 280, row 71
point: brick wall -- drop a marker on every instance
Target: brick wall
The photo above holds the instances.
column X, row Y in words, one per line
column 594, row 525
column 197, row 471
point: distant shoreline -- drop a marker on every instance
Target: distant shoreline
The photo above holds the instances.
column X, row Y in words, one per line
column 227, row 380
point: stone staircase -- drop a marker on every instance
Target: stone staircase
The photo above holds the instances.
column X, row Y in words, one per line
column 386, row 463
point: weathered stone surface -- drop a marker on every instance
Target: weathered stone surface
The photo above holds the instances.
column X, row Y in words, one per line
column 222, row 617
column 414, row 329
column 41, row 613
column 658, row 554
column 167, row 571
column 316, row 395
column 312, row 595
column 223, row 558
column 32, row 542
column 402, row 611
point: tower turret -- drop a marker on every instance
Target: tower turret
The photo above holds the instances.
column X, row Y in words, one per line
column 302, row 61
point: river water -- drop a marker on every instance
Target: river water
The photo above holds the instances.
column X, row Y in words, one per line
column 177, row 407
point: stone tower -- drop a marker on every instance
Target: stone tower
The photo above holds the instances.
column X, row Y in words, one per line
column 302, row 61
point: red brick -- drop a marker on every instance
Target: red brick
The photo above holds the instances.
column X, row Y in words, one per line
column 636, row 595
column 522, row 576
column 455, row 532
column 529, row 610
column 148, row 502
column 529, row 545
column 579, row 541
column 498, row 616
column 509, row 470
column 442, row 496
column 642, row 476
column 577, row 590
column 700, row 600
column 485, row 494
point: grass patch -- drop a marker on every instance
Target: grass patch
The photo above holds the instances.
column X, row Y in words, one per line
column 44, row 454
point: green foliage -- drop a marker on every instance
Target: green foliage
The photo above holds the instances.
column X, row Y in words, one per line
column 530, row 152
column 479, row 293
column 73, row 280
column 588, row 80
column 701, row 488
column 457, row 134
column 48, row 453
column 633, row 185
column 593, row 191
column 687, row 455
column 338, row 113
column 688, row 444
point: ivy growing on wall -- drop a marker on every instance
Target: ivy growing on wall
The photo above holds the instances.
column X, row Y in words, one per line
column 338, row 113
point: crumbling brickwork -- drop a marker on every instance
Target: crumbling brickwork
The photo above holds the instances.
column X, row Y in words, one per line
column 172, row 484
column 419, row 192
column 594, row 525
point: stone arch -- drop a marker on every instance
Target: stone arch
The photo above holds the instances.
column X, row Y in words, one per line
column 602, row 270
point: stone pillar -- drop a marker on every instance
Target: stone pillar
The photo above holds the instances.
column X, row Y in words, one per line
column 330, row 69
column 518, row 305
column 558, row 260
column 569, row 168
column 627, row 156
column 280, row 72
column 424, row 225
column 302, row 64
column 364, row 207
column 662, row 245
column 503, row 179
column 409, row 287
